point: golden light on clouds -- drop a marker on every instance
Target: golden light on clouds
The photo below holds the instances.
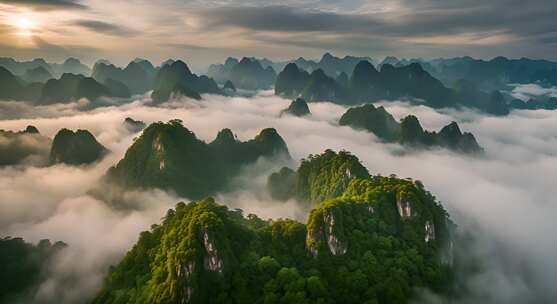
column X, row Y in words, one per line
column 25, row 26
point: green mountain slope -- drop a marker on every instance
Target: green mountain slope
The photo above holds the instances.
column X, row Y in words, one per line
column 169, row 156
column 376, row 241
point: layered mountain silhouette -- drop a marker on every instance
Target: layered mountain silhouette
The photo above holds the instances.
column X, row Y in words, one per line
column 138, row 75
column 38, row 74
column 409, row 131
column 169, row 156
column 70, row 65
column 176, row 79
column 367, row 84
column 76, row 148
column 71, row 87
column 248, row 73
column 370, row 239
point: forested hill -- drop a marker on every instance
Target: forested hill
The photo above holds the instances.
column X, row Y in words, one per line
column 375, row 241
column 169, row 156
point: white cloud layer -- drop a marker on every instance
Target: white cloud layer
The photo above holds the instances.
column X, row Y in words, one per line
column 507, row 198
column 526, row 91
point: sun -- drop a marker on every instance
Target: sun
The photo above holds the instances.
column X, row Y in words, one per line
column 24, row 24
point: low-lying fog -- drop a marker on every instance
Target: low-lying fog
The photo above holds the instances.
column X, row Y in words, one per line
column 507, row 199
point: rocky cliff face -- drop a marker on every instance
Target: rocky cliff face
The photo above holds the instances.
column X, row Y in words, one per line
column 212, row 260
column 328, row 230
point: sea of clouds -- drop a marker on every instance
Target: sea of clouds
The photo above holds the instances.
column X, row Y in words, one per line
column 506, row 199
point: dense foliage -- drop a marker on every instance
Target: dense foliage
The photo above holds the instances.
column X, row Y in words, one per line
column 23, row 266
column 169, row 156
column 76, row 148
column 409, row 131
column 374, row 241
column 318, row 178
column 376, row 120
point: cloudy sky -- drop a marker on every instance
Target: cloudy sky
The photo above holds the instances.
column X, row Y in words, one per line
column 205, row 31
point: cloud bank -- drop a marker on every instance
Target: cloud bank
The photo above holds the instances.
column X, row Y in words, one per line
column 505, row 199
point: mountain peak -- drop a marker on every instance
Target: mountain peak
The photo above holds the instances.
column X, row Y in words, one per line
column 297, row 107
column 31, row 130
column 75, row 148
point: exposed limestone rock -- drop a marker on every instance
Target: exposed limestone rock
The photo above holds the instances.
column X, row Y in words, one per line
column 311, row 242
column 370, row 209
column 335, row 244
column 328, row 232
column 447, row 254
column 429, row 231
column 212, row 261
column 158, row 148
column 185, row 273
column 404, row 208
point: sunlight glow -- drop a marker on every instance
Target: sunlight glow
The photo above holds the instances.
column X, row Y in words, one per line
column 24, row 24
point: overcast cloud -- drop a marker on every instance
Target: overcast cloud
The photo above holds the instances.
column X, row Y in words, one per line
column 280, row 29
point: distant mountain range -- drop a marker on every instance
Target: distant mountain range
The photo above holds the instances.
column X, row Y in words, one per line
column 461, row 82
column 71, row 65
column 408, row 131
column 248, row 74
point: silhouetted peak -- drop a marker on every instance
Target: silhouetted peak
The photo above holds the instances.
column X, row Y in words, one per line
column 39, row 61
column 291, row 67
column 415, row 67
column 318, row 74
column 225, row 136
column 180, row 65
column 387, row 68
column 326, row 57
column 230, row 86
column 31, row 130
column 230, row 62
column 246, row 60
column 499, row 59
column 298, row 107
column 72, row 61
column 451, row 130
column 364, row 67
